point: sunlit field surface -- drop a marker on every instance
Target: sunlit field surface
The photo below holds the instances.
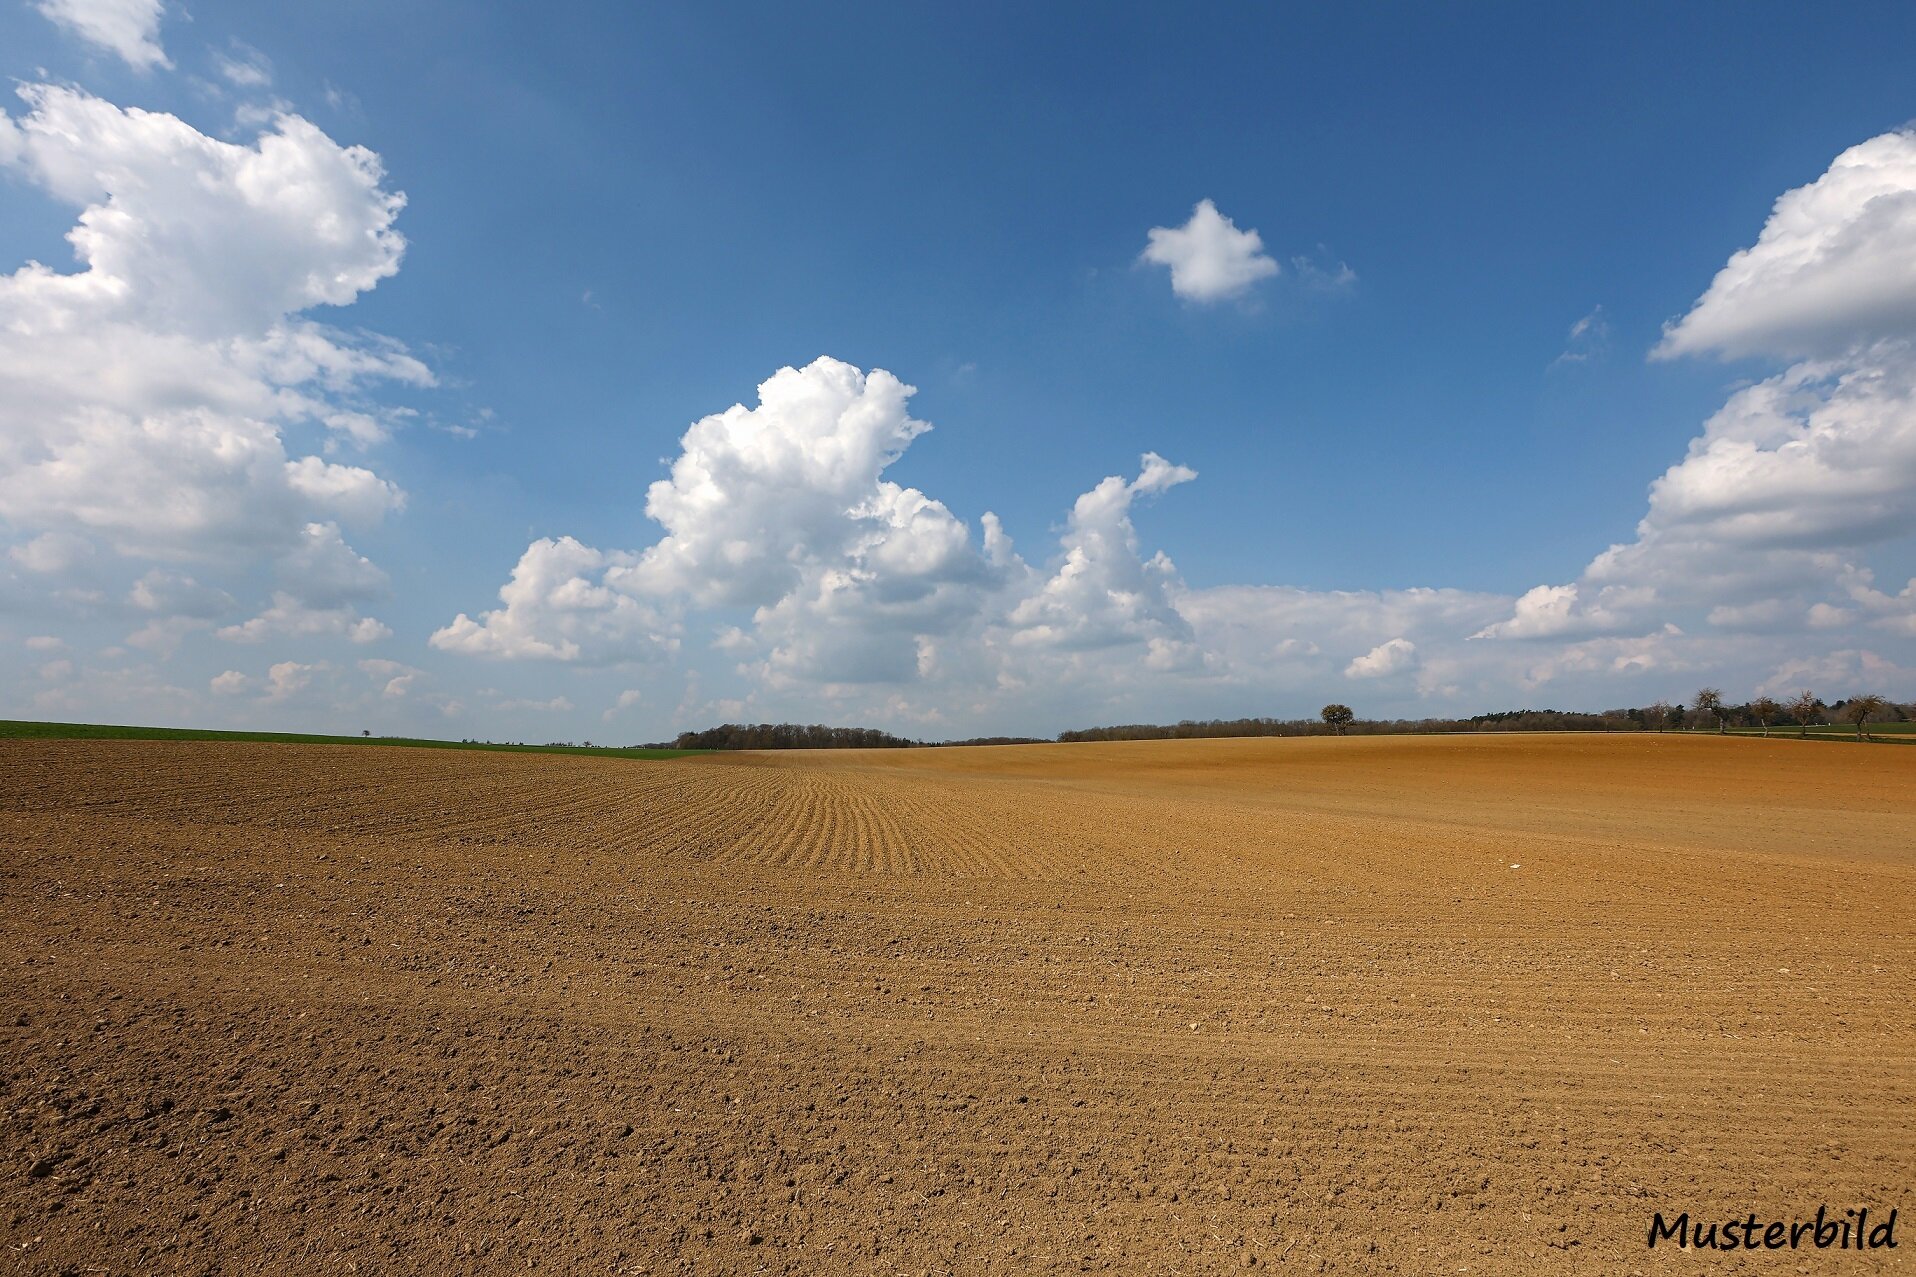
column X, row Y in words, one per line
column 1381, row 1004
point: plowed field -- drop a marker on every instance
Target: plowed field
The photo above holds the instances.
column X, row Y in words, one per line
column 1374, row 1005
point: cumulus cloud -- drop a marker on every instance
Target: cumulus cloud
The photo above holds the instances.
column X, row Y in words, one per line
column 287, row 617
column 630, row 698
column 1210, row 259
column 781, row 507
column 1820, row 457
column 324, row 581
column 145, row 398
column 1103, row 593
column 127, row 28
column 173, row 347
column 1763, row 525
column 558, row 608
column 1568, row 611
column 1834, row 267
column 1385, row 659
column 760, row 495
column 1602, row 661
column 231, row 683
column 394, row 678
column 288, row 678
column 852, row 579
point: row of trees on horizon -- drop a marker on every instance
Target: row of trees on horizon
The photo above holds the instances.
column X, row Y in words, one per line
column 1705, row 711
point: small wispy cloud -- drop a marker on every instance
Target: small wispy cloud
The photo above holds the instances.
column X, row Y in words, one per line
column 1322, row 273
column 1588, row 342
column 243, row 66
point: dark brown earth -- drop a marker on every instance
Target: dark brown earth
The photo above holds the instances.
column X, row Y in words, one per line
column 1378, row 1005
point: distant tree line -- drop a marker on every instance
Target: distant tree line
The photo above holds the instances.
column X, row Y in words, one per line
column 789, row 736
column 1707, row 711
column 815, row 736
column 1200, row 729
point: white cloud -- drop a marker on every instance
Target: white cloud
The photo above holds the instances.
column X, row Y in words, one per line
column 290, row 618
column 1763, row 525
column 1824, row 616
column 1834, row 267
column 141, row 396
column 243, row 66
column 1660, row 651
column 1822, row 456
column 231, row 683
column 1104, row 593
column 628, row 699
column 1385, row 659
column 1209, row 257
column 854, row 581
column 1567, row 611
column 184, row 233
column 145, row 398
column 1323, row 273
column 759, row 497
column 555, row 610
column 1588, row 340
column 288, row 678
column 129, row 28
column 873, row 600
column 46, row 643
column 395, row 679
column 780, row 507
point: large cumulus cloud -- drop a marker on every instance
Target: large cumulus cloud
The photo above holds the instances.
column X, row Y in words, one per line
column 146, row 397
column 782, row 510
column 1767, row 523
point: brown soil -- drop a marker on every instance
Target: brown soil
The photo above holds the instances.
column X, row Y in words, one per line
column 1375, row 1005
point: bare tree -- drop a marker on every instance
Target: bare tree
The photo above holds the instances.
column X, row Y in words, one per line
column 1763, row 709
column 1710, row 701
column 1660, row 714
column 1803, row 707
column 1338, row 717
column 1859, row 709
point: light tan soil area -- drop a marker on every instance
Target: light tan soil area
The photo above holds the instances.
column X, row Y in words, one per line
column 1373, row 1005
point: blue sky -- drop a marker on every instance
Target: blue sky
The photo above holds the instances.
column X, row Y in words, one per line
column 621, row 220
